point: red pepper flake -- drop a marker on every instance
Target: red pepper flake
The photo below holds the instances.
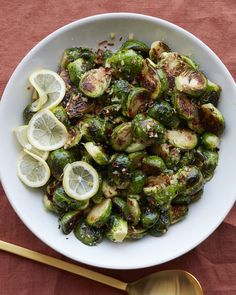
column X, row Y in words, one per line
column 110, row 44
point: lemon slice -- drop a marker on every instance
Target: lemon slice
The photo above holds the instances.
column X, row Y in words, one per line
column 45, row 132
column 21, row 135
column 80, row 180
column 32, row 170
column 50, row 87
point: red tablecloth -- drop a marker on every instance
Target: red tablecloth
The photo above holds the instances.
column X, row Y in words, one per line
column 23, row 24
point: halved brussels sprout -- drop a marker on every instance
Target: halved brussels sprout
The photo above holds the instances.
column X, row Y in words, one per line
column 153, row 165
column 121, row 205
column 191, row 82
column 121, row 136
column 100, row 213
column 57, row 160
column 195, row 124
column 153, row 79
column 157, row 48
column 190, row 62
column 134, row 211
column 61, row 115
column 99, row 197
column 119, row 171
column 64, row 203
column 77, row 68
column 68, row 221
column 171, row 155
column 125, row 64
column 184, row 199
column 48, row 204
column 178, row 213
column 118, row 230
column 163, row 112
column 74, row 137
column 145, row 128
column 109, row 190
column 182, row 138
column 136, row 145
column 212, row 118
column 212, row 94
column 111, row 111
column 120, row 91
column 136, row 158
column 95, row 129
column 187, row 158
column 52, row 186
column 190, row 179
column 136, row 233
column 149, row 217
column 136, row 45
column 210, row 141
column 88, row 235
column 95, row 82
column 161, row 226
column 185, row 108
column 97, row 153
column 28, row 113
column 74, row 53
column 78, row 105
column 137, row 182
column 137, row 101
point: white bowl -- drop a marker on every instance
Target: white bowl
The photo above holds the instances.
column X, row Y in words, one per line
column 204, row 216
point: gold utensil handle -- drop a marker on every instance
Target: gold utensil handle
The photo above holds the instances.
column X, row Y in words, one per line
column 8, row 247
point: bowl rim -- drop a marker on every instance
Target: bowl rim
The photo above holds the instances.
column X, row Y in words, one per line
column 41, row 44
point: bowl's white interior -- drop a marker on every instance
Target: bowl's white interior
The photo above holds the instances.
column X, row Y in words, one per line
column 204, row 216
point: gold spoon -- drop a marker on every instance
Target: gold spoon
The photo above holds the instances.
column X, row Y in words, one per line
column 168, row 282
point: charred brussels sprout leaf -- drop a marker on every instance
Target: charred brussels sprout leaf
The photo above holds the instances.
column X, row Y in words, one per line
column 77, row 68
column 121, row 137
column 57, row 160
column 67, row 221
column 28, row 113
column 157, row 48
column 95, row 82
column 125, row 64
column 134, row 211
column 163, row 112
column 137, row 182
column 191, row 82
column 182, row 138
column 111, row 111
column 121, row 206
column 136, row 233
column 48, row 204
column 153, row 165
column 138, row 46
column 184, row 106
column 88, row 235
column 145, row 128
column 212, row 94
column 109, row 190
column 97, row 153
column 100, row 213
column 210, row 141
column 137, row 101
column 178, row 213
column 118, row 229
column 120, row 91
column 74, row 137
column 212, row 118
column 190, row 62
column 196, row 124
column 78, row 105
column 136, row 145
column 61, row 115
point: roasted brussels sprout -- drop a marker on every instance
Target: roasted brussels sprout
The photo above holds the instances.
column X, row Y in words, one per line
column 121, row 137
column 184, row 199
column 136, row 158
column 184, row 106
column 136, row 146
column 163, row 112
column 212, row 94
column 95, row 82
column 187, row 158
column 136, row 233
column 119, row 171
column 118, row 230
column 111, row 111
column 74, row 137
column 61, row 115
column 94, row 128
column 125, row 64
column 109, row 190
column 145, row 128
column 71, row 54
column 210, row 141
column 153, row 165
column 102, row 56
column 77, row 68
column 78, row 105
column 178, row 213
column 190, row 62
column 138, row 46
column 48, row 204
column 149, row 217
column 28, row 113
column 57, row 160
column 171, row 155
column 157, row 48
column 161, row 226
column 121, row 206
column 67, row 221
column 153, row 79
column 191, row 82
column 138, row 180
column 88, row 235
column 100, row 213
column 212, row 119
column 137, row 101
column 196, row 124
column 97, row 153
column 182, row 138
column 120, row 91
column 134, row 211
